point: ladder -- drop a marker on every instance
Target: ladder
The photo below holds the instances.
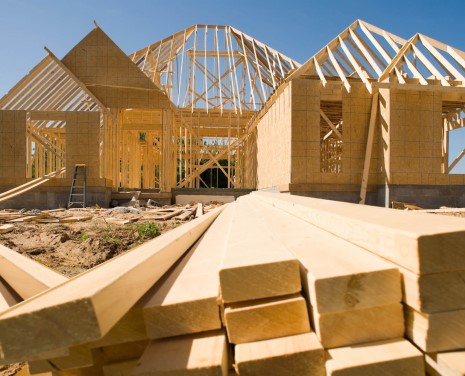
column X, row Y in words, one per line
column 77, row 194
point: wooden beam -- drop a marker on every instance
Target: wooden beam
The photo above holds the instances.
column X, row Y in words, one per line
column 8, row 296
column 25, row 276
column 435, row 332
column 201, row 354
column 300, row 354
column 392, row 357
column 284, row 316
column 331, row 125
column 356, row 66
column 414, row 238
column 338, row 69
column 456, row 160
column 361, row 325
column 186, row 301
column 369, row 148
column 90, row 303
column 77, row 80
column 253, row 258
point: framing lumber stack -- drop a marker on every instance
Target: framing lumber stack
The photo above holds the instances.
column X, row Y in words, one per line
column 269, row 284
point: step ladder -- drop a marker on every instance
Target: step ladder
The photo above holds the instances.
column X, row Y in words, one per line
column 77, row 194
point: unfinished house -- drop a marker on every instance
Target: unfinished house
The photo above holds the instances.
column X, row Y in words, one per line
column 366, row 119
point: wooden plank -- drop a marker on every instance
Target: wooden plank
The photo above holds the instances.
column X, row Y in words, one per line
column 254, row 258
column 421, row 243
column 8, row 297
column 76, row 219
column 79, row 357
column 199, row 211
column 271, row 318
column 360, row 325
column 6, row 228
column 336, row 274
column 431, row 293
column 201, row 354
column 393, row 357
column 446, row 364
column 436, row 332
column 91, row 301
column 371, row 134
column 185, row 301
column 186, row 214
column 25, row 276
column 300, row 354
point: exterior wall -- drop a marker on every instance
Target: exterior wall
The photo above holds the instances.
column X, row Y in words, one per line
column 274, row 142
column 13, row 147
column 415, row 138
column 306, row 175
column 305, row 136
column 82, row 142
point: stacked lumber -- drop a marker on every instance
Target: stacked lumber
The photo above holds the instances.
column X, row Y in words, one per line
column 263, row 308
column 270, row 284
column 428, row 251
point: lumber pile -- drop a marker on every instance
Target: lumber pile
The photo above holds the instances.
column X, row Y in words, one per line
column 270, row 284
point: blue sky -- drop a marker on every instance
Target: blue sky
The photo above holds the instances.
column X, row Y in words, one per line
column 296, row 28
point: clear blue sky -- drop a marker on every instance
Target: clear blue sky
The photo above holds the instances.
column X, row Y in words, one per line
column 296, row 28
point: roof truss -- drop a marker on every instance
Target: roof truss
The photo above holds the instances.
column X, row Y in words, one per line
column 214, row 67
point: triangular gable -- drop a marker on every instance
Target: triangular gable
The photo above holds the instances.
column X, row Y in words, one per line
column 424, row 58
column 110, row 75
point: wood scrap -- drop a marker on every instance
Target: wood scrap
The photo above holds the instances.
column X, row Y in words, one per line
column 6, row 228
column 186, row 214
column 199, row 210
column 76, row 219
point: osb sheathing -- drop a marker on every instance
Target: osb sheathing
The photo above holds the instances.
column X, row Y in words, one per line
column 82, row 142
column 274, row 143
column 110, row 75
column 12, row 147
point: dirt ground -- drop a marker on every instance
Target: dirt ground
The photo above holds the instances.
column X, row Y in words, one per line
column 71, row 248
